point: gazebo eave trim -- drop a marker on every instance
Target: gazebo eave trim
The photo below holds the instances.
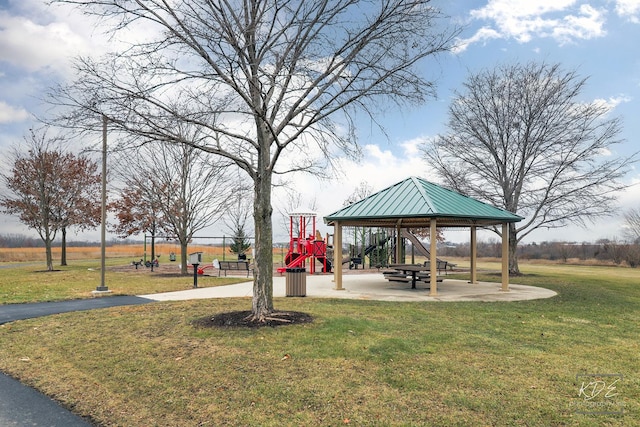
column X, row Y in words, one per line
column 441, row 220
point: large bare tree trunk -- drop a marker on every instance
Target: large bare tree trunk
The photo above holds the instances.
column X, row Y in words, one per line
column 183, row 258
column 47, row 246
column 63, row 257
column 263, row 263
column 514, row 268
column 153, row 249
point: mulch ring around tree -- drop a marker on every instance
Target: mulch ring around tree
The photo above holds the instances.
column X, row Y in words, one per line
column 244, row 319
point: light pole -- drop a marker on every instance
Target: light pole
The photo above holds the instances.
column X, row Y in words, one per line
column 103, row 219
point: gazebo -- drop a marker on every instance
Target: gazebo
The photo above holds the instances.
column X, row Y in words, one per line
column 417, row 203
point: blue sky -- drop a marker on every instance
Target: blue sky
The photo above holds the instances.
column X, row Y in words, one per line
column 598, row 38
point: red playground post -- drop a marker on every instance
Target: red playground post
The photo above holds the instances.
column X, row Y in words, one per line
column 303, row 246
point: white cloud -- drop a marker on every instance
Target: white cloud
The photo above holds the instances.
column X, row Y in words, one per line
column 629, row 9
column 612, row 102
column 31, row 46
column 378, row 156
column 378, row 167
column 521, row 8
column 36, row 37
column 589, row 24
column 9, row 114
column 482, row 35
column 524, row 20
column 412, row 147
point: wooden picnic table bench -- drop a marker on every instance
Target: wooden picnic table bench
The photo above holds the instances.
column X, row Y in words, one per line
column 233, row 266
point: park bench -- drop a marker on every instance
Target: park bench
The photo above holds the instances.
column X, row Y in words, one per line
column 233, row 266
column 441, row 265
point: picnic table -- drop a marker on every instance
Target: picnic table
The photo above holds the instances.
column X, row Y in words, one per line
column 407, row 273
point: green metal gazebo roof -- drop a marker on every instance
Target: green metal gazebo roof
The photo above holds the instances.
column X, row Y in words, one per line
column 414, row 202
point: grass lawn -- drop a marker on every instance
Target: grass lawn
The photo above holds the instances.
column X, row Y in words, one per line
column 358, row 363
column 27, row 282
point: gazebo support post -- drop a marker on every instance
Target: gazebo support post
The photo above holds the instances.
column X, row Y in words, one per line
column 337, row 256
column 433, row 233
column 505, row 257
column 474, row 256
column 399, row 242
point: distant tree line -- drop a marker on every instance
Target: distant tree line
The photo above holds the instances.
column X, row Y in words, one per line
column 604, row 250
column 24, row 241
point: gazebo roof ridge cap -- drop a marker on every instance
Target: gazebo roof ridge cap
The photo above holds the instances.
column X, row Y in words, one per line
column 423, row 193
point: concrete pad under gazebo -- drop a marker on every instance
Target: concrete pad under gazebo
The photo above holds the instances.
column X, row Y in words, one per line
column 369, row 287
column 417, row 203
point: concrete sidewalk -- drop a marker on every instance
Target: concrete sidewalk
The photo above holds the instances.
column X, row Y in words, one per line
column 369, row 287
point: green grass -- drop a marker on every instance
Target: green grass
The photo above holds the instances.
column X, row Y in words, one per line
column 358, row 363
column 27, row 282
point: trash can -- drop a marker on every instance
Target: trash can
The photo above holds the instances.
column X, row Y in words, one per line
column 296, row 282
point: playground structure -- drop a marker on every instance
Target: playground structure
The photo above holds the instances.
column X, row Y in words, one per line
column 305, row 247
column 370, row 248
column 377, row 246
column 417, row 244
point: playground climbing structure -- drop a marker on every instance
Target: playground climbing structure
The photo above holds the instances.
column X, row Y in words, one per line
column 305, row 248
column 373, row 245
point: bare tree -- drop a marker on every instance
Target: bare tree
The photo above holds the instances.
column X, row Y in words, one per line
column 362, row 191
column 520, row 138
column 260, row 79
column 196, row 191
column 184, row 190
column 238, row 215
column 79, row 205
column 294, row 202
column 51, row 190
column 138, row 210
column 632, row 225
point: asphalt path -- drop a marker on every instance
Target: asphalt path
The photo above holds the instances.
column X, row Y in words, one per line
column 21, row 405
column 12, row 312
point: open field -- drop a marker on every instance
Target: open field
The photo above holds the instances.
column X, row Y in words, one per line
column 27, row 283
column 24, row 279
column 113, row 251
column 123, row 252
column 359, row 363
